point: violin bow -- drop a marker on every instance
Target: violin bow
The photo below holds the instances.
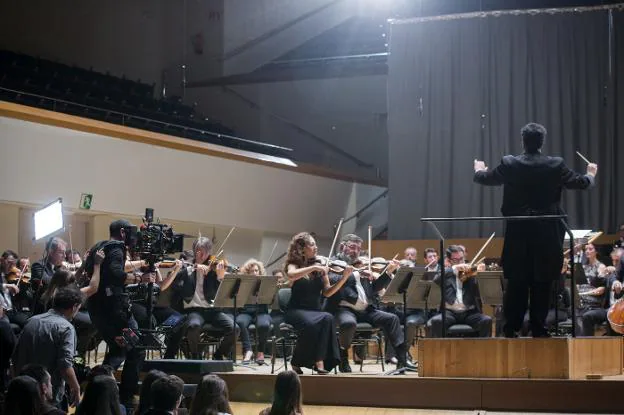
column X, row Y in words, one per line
column 333, row 245
column 272, row 252
column 482, row 249
column 589, row 241
column 370, row 250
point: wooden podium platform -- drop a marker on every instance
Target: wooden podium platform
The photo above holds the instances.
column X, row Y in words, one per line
column 554, row 358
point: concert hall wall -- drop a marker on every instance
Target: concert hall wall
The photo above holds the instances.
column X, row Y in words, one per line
column 461, row 87
column 45, row 162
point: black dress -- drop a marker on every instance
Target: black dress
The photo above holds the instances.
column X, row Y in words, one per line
column 316, row 330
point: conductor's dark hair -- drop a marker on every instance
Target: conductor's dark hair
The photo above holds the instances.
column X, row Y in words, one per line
column 533, row 136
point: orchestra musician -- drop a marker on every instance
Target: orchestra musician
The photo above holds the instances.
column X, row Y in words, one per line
column 533, row 250
column 592, row 292
column 198, row 285
column 253, row 314
column 613, row 292
column 461, row 297
column 409, row 257
column 54, row 255
column 317, row 346
column 358, row 301
column 16, row 297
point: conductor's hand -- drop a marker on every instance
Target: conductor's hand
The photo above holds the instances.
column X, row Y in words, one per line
column 592, row 169
column 479, row 166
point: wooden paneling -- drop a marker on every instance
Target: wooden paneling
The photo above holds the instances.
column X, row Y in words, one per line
column 557, row 358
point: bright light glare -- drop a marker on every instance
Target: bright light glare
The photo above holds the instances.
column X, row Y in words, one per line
column 49, row 219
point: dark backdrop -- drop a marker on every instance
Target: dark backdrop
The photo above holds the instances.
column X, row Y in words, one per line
column 461, row 87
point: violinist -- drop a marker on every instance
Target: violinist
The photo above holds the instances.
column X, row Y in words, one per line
column 162, row 311
column 607, row 287
column 253, row 314
column 53, row 257
column 17, row 302
column 316, row 342
column 198, row 286
column 358, row 301
column 461, row 295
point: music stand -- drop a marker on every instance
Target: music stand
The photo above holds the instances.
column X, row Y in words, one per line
column 397, row 292
column 233, row 288
column 491, row 287
column 264, row 293
column 579, row 275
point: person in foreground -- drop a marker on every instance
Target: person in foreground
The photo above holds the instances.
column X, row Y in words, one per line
column 533, row 250
column 287, row 395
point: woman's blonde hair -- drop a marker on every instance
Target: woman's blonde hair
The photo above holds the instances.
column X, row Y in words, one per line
column 249, row 264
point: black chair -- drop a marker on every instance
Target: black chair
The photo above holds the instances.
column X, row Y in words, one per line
column 288, row 335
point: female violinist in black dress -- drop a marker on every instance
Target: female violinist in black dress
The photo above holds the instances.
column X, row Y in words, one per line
column 317, row 345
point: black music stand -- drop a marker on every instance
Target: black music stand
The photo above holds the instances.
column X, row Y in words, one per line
column 264, row 293
column 491, row 288
column 397, row 292
column 234, row 288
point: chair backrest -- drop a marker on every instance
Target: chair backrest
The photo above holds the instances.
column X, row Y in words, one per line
column 283, row 296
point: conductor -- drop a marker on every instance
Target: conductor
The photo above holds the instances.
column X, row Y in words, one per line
column 533, row 250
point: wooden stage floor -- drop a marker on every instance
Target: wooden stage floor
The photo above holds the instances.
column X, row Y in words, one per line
column 371, row 389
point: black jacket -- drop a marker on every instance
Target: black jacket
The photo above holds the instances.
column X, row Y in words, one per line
column 184, row 285
column 470, row 294
column 532, row 186
column 348, row 292
column 112, row 273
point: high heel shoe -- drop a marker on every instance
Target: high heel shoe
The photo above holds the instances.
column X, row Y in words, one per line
column 320, row 371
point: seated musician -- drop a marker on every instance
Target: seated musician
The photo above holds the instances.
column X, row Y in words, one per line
column 17, row 297
column 409, row 257
column 463, row 305
column 431, row 260
column 256, row 314
column 199, row 286
column 613, row 291
column 416, row 317
column 162, row 312
column 53, row 258
column 591, row 292
column 357, row 301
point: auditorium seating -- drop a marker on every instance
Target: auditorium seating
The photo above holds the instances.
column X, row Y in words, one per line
column 86, row 93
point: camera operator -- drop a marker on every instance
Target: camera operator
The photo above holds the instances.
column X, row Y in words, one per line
column 162, row 312
column 110, row 311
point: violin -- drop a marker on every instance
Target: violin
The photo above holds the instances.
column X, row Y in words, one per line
column 335, row 265
column 214, row 260
column 465, row 274
column 16, row 276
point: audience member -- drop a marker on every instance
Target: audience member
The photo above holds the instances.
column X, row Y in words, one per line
column 166, row 395
column 145, row 395
column 23, row 397
column 211, row 396
column 101, row 398
column 287, row 395
column 49, row 339
column 43, row 378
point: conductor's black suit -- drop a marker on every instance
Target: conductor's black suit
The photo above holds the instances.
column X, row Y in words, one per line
column 533, row 250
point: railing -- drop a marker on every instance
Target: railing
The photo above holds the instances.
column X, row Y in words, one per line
column 433, row 221
column 127, row 117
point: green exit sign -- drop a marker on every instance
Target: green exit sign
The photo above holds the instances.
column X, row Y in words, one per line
column 86, row 200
